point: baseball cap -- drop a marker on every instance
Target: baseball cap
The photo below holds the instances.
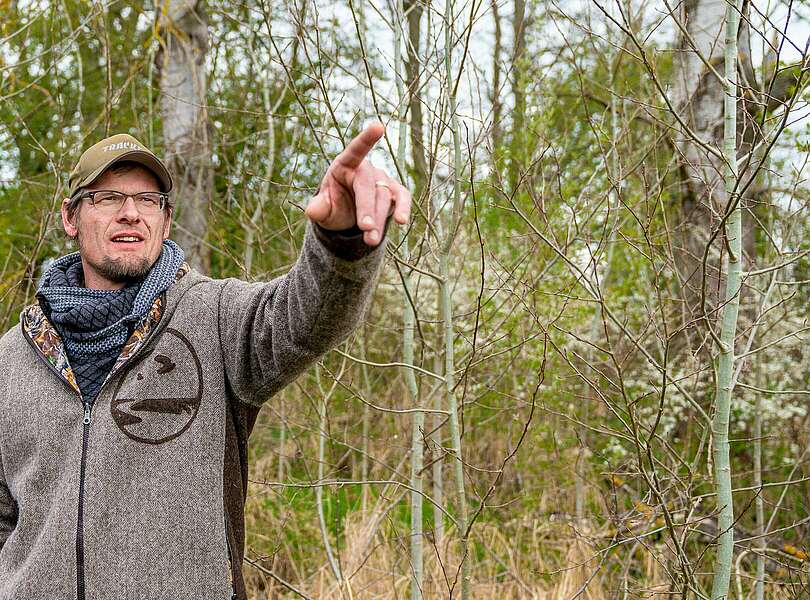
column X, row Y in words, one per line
column 98, row 157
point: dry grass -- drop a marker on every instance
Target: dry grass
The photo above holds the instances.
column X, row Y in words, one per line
column 531, row 552
column 580, row 575
column 558, row 564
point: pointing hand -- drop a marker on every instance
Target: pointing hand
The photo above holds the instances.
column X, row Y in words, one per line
column 355, row 192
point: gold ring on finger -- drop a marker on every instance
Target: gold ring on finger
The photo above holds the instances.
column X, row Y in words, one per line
column 381, row 183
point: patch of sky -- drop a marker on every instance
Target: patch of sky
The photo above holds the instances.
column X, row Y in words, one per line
column 9, row 159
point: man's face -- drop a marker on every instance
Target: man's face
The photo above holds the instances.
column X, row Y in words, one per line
column 110, row 264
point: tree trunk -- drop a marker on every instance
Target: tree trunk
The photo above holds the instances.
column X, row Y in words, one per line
column 497, row 107
column 519, row 92
column 181, row 64
column 759, row 504
column 437, row 442
column 413, row 11
column 454, row 217
column 418, row 423
column 725, row 368
column 699, row 94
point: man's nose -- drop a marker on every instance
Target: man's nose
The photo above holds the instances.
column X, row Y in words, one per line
column 129, row 211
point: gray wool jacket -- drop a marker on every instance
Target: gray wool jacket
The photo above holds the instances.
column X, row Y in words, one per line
column 141, row 495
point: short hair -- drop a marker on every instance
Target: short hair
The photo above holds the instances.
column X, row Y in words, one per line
column 123, row 166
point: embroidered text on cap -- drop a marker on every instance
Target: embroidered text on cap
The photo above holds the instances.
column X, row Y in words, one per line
column 121, row 146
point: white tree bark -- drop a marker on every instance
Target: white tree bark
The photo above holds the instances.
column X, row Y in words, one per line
column 418, row 427
column 183, row 87
column 725, row 368
column 698, row 92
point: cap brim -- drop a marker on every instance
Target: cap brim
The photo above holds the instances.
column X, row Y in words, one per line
column 139, row 156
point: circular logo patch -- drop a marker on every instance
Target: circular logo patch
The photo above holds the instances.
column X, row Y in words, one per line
column 159, row 396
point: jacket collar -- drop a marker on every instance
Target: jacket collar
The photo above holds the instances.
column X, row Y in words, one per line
column 38, row 329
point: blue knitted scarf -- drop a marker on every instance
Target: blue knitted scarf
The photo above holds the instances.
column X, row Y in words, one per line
column 95, row 324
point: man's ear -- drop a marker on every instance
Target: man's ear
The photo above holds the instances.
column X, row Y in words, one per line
column 167, row 226
column 70, row 228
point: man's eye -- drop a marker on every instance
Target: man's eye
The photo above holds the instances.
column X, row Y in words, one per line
column 108, row 197
column 151, row 199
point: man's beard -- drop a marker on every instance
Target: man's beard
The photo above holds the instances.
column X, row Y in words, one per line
column 119, row 271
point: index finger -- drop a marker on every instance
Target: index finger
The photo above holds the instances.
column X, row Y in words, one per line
column 354, row 153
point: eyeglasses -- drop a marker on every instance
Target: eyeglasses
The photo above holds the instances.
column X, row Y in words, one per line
column 111, row 201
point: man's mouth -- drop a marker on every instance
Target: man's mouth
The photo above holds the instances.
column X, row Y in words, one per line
column 127, row 240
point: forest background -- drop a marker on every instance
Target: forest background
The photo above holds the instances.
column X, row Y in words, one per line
column 583, row 371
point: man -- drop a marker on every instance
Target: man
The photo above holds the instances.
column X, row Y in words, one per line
column 133, row 383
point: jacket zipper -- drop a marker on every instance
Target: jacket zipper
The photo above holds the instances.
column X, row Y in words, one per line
column 88, row 409
column 80, row 524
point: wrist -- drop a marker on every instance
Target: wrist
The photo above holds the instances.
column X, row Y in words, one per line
column 348, row 243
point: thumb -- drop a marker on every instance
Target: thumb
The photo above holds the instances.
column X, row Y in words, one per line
column 319, row 208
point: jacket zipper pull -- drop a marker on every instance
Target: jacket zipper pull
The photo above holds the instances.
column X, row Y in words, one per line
column 87, row 408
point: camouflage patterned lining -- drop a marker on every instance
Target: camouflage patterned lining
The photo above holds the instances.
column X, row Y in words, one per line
column 42, row 333
column 37, row 328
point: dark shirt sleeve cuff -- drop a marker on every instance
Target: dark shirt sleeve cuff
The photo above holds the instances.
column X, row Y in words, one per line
column 347, row 244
